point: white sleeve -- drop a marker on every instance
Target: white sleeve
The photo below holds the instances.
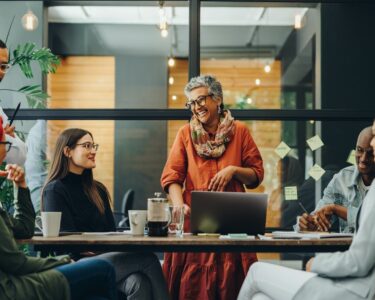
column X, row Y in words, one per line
column 360, row 258
column 18, row 151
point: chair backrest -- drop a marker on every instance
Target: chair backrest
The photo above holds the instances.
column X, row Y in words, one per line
column 127, row 201
column 126, row 205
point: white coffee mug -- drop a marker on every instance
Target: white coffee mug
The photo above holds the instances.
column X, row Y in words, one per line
column 137, row 220
column 50, row 223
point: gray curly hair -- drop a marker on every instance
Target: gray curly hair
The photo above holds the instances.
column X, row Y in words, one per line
column 208, row 81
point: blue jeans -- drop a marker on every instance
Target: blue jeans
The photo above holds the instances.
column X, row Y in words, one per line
column 90, row 279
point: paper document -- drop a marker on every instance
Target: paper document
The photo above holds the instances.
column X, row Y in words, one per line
column 108, row 233
column 237, row 236
column 308, row 235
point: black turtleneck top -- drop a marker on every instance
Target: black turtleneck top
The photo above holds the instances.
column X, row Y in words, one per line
column 78, row 211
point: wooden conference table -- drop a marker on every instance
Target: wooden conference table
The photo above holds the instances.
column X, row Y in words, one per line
column 125, row 242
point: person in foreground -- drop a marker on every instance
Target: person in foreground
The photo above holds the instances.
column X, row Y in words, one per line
column 85, row 206
column 345, row 192
column 32, row 278
column 211, row 153
column 341, row 275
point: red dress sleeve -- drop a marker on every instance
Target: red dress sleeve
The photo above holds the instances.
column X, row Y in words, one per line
column 251, row 157
column 176, row 166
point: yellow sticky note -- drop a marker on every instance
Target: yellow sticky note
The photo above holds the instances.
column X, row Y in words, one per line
column 315, row 142
column 290, row 193
column 316, row 172
column 282, row 150
column 351, row 158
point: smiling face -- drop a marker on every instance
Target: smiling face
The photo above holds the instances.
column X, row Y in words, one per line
column 364, row 153
column 81, row 158
column 207, row 114
column 4, row 57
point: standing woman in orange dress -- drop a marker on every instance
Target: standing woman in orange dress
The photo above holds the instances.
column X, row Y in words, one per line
column 211, row 153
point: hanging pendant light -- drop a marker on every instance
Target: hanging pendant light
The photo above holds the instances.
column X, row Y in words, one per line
column 29, row 21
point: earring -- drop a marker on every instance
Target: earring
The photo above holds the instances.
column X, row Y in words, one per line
column 219, row 110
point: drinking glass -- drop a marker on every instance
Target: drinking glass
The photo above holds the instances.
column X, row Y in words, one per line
column 176, row 227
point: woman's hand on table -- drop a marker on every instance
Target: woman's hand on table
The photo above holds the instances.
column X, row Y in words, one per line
column 221, row 179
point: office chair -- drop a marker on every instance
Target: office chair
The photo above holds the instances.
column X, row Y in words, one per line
column 126, row 205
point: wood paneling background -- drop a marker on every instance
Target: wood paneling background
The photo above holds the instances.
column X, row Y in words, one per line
column 86, row 82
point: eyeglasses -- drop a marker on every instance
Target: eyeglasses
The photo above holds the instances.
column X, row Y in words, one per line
column 201, row 100
column 89, row 146
column 4, row 67
column 8, row 145
column 359, row 152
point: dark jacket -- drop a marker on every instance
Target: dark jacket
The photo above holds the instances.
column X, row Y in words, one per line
column 23, row 277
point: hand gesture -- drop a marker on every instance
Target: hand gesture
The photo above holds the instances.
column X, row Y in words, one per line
column 187, row 210
column 16, row 174
column 307, row 222
column 322, row 217
column 9, row 130
column 221, row 179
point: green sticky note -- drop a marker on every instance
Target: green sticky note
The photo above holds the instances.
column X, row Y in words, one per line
column 351, row 158
column 290, row 193
column 315, row 142
column 282, row 150
column 316, row 172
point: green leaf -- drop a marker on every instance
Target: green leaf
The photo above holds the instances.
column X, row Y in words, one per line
column 23, row 56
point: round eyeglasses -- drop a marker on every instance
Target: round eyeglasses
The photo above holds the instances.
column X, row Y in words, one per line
column 201, row 100
column 89, row 146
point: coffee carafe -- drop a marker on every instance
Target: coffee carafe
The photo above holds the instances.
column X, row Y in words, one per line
column 158, row 216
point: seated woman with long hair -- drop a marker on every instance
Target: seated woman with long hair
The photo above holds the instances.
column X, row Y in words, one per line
column 85, row 206
column 23, row 277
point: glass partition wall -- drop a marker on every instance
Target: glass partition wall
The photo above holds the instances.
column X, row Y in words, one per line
column 124, row 68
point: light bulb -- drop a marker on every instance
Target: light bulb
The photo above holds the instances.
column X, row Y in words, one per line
column 267, row 68
column 29, row 21
column 297, row 21
column 174, row 97
column 171, row 80
column 257, row 81
column 171, row 62
column 164, row 33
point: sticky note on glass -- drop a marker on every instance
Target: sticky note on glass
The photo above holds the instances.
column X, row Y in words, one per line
column 290, row 193
column 282, row 150
column 351, row 157
column 316, row 172
column 315, row 142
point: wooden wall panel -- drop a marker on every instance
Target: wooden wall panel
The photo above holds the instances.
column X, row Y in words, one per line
column 86, row 82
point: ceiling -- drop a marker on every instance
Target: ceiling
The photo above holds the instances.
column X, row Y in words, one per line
column 134, row 30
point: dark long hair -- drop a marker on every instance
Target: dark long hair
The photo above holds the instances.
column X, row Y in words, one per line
column 60, row 167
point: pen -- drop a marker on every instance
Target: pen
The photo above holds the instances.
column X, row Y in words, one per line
column 303, row 208
column 14, row 114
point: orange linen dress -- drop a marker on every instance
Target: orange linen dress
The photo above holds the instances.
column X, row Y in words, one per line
column 199, row 276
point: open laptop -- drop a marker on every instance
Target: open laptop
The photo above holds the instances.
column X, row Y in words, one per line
column 228, row 212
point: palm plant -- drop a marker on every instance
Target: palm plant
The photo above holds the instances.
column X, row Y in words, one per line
column 23, row 56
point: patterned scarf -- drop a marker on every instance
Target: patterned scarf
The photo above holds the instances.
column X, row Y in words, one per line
column 224, row 133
